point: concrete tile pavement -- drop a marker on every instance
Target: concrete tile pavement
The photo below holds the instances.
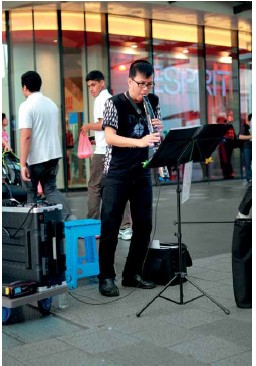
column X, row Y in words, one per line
column 94, row 330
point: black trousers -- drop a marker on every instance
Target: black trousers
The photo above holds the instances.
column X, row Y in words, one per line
column 115, row 194
column 225, row 154
column 246, row 203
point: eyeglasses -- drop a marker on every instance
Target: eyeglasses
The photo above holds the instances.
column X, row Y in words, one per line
column 143, row 85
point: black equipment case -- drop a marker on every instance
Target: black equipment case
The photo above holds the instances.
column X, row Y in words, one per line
column 242, row 262
column 162, row 264
column 33, row 244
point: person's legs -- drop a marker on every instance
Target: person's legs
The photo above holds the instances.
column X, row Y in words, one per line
column 30, row 188
column 125, row 231
column 229, row 151
column 141, row 211
column 223, row 158
column 114, row 198
column 247, row 155
column 46, row 173
column 126, row 221
column 94, row 186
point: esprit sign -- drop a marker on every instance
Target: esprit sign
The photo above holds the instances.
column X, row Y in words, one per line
column 173, row 81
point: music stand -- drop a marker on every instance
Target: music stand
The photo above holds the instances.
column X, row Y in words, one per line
column 181, row 146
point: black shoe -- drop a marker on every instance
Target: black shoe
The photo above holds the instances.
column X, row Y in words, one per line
column 108, row 288
column 137, row 281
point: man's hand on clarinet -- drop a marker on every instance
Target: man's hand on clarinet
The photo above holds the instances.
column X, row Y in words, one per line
column 157, row 123
column 150, row 140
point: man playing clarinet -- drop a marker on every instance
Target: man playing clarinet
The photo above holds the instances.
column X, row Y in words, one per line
column 124, row 178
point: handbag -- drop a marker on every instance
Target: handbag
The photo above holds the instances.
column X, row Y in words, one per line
column 84, row 147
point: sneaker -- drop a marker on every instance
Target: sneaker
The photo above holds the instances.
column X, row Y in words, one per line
column 70, row 217
column 242, row 216
column 125, row 234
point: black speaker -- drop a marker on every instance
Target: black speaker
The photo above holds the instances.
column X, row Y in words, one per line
column 33, row 244
column 242, row 262
column 162, row 264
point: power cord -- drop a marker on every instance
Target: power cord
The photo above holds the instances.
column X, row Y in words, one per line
column 19, row 228
column 122, row 297
column 100, row 303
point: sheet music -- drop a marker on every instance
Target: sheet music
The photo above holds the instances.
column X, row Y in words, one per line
column 187, row 178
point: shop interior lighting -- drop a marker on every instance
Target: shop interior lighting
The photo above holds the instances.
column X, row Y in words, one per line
column 122, row 68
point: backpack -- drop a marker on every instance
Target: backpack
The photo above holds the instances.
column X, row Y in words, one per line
column 11, row 168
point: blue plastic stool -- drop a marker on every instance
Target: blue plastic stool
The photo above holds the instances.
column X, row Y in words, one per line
column 87, row 264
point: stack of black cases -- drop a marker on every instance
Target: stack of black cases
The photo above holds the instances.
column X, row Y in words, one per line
column 242, row 262
column 33, row 244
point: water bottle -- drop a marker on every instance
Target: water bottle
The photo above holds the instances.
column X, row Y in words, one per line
column 62, row 301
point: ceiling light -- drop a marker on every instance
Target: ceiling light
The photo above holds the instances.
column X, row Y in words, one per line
column 134, row 45
column 122, row 68
column 185, row 50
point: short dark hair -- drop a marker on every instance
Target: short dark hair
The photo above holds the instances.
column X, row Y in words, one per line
column 250, row 117
column 3, row 116
column 32, row 80
column 143, row 67
column 95, row 75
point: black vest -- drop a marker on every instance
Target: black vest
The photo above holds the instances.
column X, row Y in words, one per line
column 127, row 162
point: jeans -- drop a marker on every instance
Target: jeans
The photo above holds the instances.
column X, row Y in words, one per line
column 115, row 194
column 46, row 174
column 247, row 155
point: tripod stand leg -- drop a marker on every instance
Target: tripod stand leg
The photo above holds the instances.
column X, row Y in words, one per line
column 158, row 295
column 209, row 297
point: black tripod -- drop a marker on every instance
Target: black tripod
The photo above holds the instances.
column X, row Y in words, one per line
column 181, row 146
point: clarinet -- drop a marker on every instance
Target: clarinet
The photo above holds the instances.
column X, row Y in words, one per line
column 163, row 171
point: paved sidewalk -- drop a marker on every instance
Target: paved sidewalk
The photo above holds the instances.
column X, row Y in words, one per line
column 94, row 330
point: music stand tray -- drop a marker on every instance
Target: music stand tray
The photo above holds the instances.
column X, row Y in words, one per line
column 179, row 147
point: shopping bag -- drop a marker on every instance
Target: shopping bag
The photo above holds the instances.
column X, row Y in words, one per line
column 84, row 147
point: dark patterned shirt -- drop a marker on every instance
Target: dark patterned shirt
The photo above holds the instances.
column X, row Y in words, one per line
column 120, row 114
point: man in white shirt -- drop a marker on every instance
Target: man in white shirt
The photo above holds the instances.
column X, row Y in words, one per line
column 40, row 149
column 96, row 83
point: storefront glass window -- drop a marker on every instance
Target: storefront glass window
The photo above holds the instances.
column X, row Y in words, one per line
column 245, row 71
column 22, row 60
column 4, row 72
column 74, row 74
column 47, row 64
column 175, row 53
column 96, row 56
column 128, row 41
column 174, row 48
column 218, row 73
column 222, row 98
